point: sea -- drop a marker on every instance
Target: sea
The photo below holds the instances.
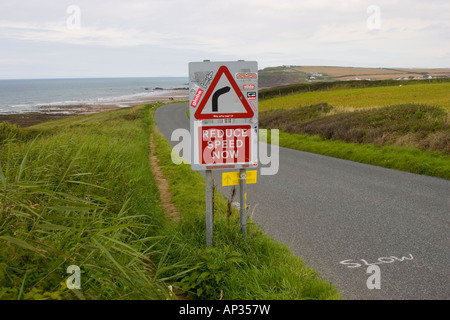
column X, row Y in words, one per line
column 19, row 96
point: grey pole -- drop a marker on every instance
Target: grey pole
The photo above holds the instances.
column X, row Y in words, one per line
column 209, row 207
column 242, row 183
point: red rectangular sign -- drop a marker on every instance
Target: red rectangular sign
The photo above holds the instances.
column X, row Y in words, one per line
column 248, row 87
column 197, row 97
column 224, row 144
column 250, row 75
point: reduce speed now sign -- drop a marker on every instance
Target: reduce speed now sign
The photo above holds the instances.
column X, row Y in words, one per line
column 223, row 108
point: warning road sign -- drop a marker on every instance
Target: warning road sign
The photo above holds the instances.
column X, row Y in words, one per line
column 223, row 99
column 223, row 112
column 224, row 144
column 223, row 126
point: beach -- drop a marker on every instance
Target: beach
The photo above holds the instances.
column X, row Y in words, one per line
column 53, row 112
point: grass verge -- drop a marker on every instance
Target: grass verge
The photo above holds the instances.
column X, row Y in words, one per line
column 409, row 125
column 234, row 268
column 407, row 159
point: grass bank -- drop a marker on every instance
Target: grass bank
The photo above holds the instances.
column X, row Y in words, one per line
column 395, row 157
column 405, row 126
column 408, row 137
column 409, row 125
column 79, row 191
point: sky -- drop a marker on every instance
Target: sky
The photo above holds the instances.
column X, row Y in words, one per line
column 156, row 38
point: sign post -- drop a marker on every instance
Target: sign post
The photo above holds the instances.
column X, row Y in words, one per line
column 209, row 207
column 242, row 202
column 223, row 104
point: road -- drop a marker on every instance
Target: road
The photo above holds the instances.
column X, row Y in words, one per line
column 341, row 216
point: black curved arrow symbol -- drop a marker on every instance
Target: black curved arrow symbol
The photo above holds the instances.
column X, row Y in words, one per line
column 215, row 97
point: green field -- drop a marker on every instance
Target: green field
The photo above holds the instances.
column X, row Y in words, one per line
column 434, row 94
column 405, row 128
column 80, row 191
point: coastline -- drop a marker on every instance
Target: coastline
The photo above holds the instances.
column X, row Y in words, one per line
column 53, row 112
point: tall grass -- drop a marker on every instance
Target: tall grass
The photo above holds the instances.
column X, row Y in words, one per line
column 79, row 192
column 417, row 126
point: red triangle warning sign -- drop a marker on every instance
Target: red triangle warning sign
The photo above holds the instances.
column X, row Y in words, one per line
column 224, row 99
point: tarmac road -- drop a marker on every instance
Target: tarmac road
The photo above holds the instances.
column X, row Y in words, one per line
column 341, row 217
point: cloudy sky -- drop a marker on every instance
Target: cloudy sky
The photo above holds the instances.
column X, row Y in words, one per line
column 145, row 38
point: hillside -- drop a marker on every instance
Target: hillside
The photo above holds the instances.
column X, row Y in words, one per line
column 284, row 75
column 403, row 126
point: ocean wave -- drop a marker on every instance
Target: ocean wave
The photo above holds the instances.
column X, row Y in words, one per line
column 121, row 101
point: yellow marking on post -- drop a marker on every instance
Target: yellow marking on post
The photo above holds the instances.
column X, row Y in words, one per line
column 232, row 178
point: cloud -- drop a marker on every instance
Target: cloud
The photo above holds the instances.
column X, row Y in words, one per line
column 108, row 37
column 273, row 32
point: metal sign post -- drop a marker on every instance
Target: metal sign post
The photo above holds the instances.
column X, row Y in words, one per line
column 209, row 207
column 243, row 213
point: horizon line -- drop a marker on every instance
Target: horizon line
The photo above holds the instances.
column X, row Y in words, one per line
column 186, row 76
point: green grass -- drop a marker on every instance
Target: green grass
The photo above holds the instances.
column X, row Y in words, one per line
column 401, row 127
column 413, row 138
column 434, row 94
column 79, row 191
column 406, row 159
column 296, row 88
column 234, row 268
column 395, row 157
column 410, row 125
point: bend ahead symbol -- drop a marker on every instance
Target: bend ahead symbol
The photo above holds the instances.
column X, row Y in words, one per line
column 215, row 97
